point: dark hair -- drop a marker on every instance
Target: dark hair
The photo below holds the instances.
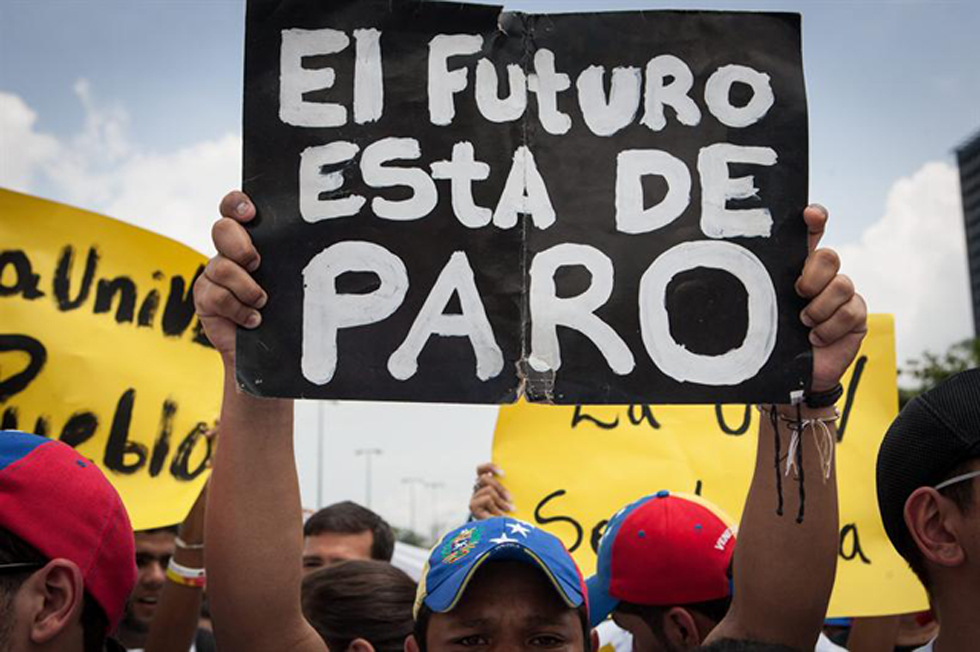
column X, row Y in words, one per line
column 422, row 626
column 366, row 599
column 167, row 529
column 350, row 518
column 734, row 645
column 653, row 616
column 962, row 495
column 14, row 549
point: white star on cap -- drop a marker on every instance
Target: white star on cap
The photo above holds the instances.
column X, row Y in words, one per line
column 517, row 528
column 503, row 538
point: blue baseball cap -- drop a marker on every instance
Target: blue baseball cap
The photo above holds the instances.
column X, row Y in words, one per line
column 455, row 559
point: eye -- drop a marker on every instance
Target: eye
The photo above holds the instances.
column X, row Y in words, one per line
column 473, row 640
column 548, row 641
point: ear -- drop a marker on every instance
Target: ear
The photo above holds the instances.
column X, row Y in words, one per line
column 594, row 639
column 681, row 629
column 56, row 594
column 360, row 645
column 411, row 645
column 928, row 516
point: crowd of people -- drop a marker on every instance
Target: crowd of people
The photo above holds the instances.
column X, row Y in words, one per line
column 244, row 572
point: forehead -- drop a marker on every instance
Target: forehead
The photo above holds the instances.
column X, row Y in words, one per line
column 512, row 587
column 357, row 545
column 155, row 543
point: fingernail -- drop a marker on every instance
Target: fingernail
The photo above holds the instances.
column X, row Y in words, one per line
column 241, row 209
column 262, row 300
column 803, row 318
column 253, row 320
column 821, row 208
column 815, row 339
column 507, row 496
column 254, row 265
column 511, row 508
column 499, row 471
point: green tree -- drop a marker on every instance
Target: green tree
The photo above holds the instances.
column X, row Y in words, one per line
column 931, row 369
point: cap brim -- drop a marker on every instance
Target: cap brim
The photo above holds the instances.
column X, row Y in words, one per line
column 446, row 596
column 601, row 604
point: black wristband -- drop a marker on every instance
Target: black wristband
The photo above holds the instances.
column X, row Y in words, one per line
column 825, row 399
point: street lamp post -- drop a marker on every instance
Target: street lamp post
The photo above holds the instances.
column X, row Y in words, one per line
column 433, row 488
column 368, row 453
column 412, row 482
column 319, row 455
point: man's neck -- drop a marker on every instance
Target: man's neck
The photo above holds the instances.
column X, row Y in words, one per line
column 959, row 627
column 131, row 638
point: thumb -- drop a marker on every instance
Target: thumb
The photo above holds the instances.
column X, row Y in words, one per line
column 815, row 216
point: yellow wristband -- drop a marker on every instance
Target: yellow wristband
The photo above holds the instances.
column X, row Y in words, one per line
column 193, row 582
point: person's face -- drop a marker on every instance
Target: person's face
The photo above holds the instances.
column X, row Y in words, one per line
column 644, row 638
column 508, row 606
column 329, row 548
column 153, row 552
column 679, row 630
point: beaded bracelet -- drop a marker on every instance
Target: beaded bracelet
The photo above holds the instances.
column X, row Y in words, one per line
column 824, row 399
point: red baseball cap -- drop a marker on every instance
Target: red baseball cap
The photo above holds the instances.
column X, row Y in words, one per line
column 61, row 504
column 662, row 550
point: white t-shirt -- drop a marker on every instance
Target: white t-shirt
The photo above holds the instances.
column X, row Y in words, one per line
column 824, row 644
column 612, row 638
column 927, row 647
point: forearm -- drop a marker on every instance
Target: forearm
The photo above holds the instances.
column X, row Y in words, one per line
column 175, row 622
column 254, row 528
column 784, row 569
column 873, row 634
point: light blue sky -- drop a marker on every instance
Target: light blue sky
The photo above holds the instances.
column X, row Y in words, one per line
column 891, row 84
column 892, row 87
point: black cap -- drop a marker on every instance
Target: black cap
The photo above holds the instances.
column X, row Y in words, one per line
column 934, row 433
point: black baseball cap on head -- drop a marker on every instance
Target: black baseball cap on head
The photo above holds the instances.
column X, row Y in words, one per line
column 934, row 432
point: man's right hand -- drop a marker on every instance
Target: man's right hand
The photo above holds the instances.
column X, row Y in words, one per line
column 226, row 295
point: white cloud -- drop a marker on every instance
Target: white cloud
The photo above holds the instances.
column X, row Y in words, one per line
column 22, row 150
column 177, row 194
column 912, row 262
column 172, row 193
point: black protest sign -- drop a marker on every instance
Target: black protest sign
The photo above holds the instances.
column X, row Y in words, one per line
column 459, row 204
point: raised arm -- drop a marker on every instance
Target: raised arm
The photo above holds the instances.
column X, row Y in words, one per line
column 254, row 521
column 784, row 568
column 175, row 623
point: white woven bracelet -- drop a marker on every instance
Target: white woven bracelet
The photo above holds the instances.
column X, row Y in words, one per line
column 185, row 571
column 188, row 546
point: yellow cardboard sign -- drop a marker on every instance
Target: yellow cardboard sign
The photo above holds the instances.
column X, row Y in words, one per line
column 570, row 468
column 100, row 348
